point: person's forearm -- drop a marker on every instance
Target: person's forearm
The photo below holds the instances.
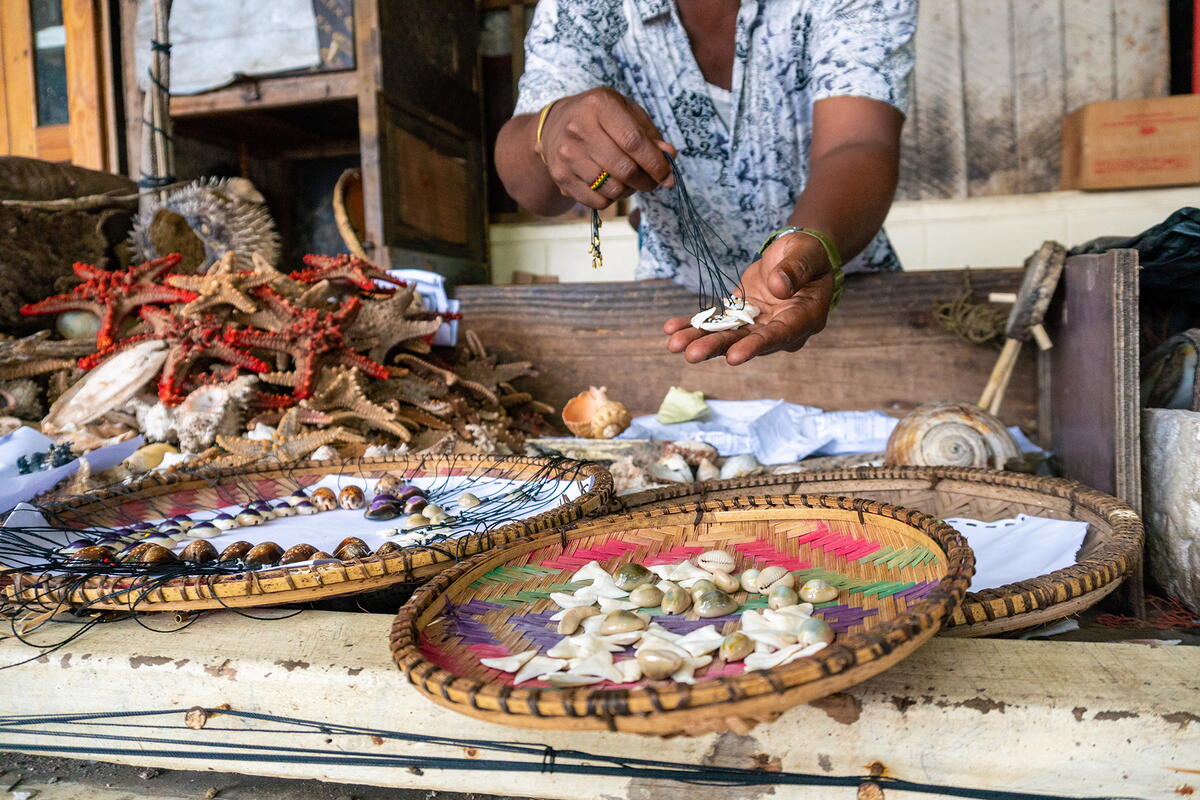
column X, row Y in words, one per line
column 848, row 194
column 522, row 171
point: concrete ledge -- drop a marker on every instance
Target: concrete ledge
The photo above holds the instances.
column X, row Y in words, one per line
column 1068, row 719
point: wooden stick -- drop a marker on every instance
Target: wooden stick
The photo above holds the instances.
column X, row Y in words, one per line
column 1041, row 337
column 998, row 379
column 1002, row 297
column 1009, row 367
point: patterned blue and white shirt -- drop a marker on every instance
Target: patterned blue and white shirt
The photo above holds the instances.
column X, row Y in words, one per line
column 743, row 176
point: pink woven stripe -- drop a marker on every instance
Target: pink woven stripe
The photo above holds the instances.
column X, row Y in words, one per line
column 674, row 555
column 816, row 532
column 764, row 551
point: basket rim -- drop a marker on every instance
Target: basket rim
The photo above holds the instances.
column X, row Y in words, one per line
column 284, row 584
column 1116, row 557
column 610, row 705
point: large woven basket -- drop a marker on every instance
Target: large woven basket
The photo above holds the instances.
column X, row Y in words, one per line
column 900, row 574
column 1111, row 551
column 169, row 493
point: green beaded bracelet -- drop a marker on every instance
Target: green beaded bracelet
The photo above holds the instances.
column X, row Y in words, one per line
column 831, row 252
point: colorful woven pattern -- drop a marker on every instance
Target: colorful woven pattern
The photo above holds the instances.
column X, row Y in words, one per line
column 878, row 570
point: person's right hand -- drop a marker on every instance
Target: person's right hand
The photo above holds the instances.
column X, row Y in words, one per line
column 599, row 130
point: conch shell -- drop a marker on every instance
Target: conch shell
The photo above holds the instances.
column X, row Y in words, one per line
column 951, row 435
column 592, row 415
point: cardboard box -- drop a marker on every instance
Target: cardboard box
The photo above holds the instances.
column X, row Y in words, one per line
column 1123, row 144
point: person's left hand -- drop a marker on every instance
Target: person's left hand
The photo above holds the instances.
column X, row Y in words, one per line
column 791, row 284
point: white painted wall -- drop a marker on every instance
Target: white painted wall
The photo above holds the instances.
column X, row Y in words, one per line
column 928, row 234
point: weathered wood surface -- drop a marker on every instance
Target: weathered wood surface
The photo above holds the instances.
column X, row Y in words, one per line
column 1064, row 719
column 993, row 79
column 882, row 348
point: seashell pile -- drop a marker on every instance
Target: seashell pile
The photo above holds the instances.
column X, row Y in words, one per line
column 610, row 613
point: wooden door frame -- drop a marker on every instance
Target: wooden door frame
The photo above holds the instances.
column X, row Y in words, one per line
column 84, row 139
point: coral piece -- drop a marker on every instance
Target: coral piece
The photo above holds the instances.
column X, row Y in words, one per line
column 208, row 218
column 211, row 409
column 383, row 324
column 344, row 269
column 113, row 295
column 224, row 284
column 341, row 394
column 188, row 340
column 288, row 443
column 313, row 338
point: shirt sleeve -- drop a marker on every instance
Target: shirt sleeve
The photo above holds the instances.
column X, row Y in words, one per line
column 569, row 49
column 862, row 48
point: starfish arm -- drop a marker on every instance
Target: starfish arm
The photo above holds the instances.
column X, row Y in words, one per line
column 352, row 359
column 86, row 272
column 150, row 270
column 246, row 448
column 93, row 360
column 232, row 355
column 57, row 304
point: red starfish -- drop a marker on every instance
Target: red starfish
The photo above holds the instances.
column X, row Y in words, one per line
column 312, row 338
column 113, row 294
column 344, row 268
column 189, row 340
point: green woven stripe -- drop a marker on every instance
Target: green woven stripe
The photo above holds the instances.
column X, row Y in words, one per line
column 507, row 574
column 876, row 556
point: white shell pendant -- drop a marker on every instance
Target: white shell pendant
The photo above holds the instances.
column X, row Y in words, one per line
column 737, row 312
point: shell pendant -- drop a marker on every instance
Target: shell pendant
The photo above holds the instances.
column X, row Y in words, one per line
column 736, row 313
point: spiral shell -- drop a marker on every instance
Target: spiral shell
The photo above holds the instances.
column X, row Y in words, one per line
column 951, row 435
column 592, row 415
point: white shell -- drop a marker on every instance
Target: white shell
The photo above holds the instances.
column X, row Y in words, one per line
column 600, row 665
column 608, row 604
column 107, row 386
column 773, row 639
column 537, row 666
column 774, row 576
column 725, row 322
column 749, row 581
column 702, row 640
column 715, row 561
column 568, row 600
column 590, row 572
column 707, row 471
column 739, row 466
column 630, row 670
column 687, row 571
column 784, row 656
column 687, row 673
column 509, row 663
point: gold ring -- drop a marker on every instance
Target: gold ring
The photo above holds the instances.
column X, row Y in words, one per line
column 600, row 179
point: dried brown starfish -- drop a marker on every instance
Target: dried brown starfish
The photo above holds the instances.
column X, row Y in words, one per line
column 341, row 394
column 383, row 324
column 288, row 443
column 222, row 285
column 483, row 370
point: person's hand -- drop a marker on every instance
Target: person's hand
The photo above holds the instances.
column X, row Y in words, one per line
column 599, row 130
column 791, row 284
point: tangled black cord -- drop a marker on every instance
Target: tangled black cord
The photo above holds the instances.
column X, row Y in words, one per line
column 43, row 574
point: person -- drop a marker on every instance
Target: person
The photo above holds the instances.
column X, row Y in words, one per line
column 779, row 113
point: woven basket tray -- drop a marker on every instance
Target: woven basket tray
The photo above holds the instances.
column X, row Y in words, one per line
column 1111, row 551
column 901, row 574
column 168, row 493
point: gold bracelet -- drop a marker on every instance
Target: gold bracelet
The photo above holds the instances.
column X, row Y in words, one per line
column 545, row 112
column 831, row 252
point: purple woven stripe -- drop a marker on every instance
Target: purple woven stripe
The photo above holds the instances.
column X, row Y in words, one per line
column 684, row 626
column 474, row 607
column 919, row 591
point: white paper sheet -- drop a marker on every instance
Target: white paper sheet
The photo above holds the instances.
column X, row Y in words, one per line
column 25, row 441
column 1020, row 548
column 774, row 431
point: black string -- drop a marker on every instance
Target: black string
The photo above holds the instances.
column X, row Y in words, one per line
column 544, row 759
column 702, row 243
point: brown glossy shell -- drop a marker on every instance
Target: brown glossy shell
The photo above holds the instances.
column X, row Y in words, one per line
column 93, row 553
column 388, row 484
column 388, row 549
column 352, row 547
column 157, row 554
column 136, row 551
column 351, row 497
column 951, row 435
column 200, row 551
column 297, row 552
column 236, row 551
column 264, row 553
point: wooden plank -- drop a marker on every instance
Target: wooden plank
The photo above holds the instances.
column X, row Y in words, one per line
column 1037, row 50
column 264, row 93
column 949, row 715
column 1142, row 51
column 53, row 142
column 991, row 135
column 881, row 349
column 942, row 154
column 21, row 106
column 85, row 85
column 1093, row 394
column 1088, row 39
